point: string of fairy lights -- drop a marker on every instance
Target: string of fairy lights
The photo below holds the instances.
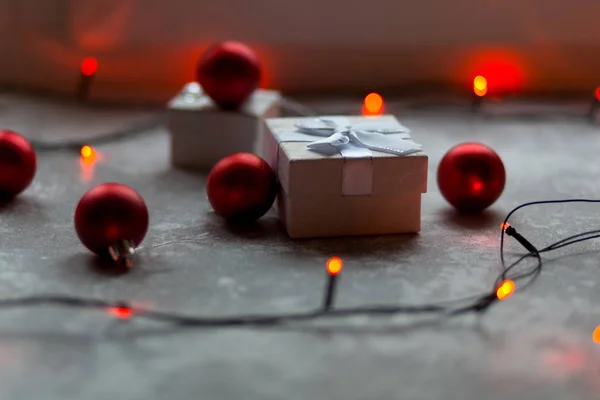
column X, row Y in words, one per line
column 373, row 105
column 504, row 287
column 511, row 278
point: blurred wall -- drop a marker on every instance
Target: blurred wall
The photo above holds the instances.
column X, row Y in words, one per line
column 148, row 48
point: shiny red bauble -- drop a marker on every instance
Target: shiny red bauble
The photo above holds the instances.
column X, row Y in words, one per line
column 241, row 187
column 109, row 214
column 18, row 164
column 471, row 177
column 229, row 72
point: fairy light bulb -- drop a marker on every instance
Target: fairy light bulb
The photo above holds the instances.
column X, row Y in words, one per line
column 373, row 105
column 89, row 66
column 505, row 290
column 121, row 312
column 480, row 86
column 86, row 151
column 88, row 69
column 504, row 226
column 596, row 335
column 87, row 162
column 88, row 154
column 333, row 267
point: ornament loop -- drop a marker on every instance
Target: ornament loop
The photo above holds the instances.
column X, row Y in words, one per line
column 122, row 252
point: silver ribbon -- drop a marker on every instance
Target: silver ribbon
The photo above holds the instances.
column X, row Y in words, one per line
column 352, row 140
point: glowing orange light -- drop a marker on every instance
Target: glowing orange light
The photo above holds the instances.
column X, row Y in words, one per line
column 87, row 161
column 87, row 151
column 89, row 66
column 504, row 71
column 597, row 93
column 88, row 154
column 505, row 289
column 596, row 335
column 504, row 226
column 480, row 86
column 334, row 265
column 121, row 312
column 373, row 105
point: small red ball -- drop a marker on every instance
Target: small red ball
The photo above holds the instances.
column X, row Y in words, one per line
column 471, row 177
column 229, row 72
column 18, row 164
column 108, row 214
column 241, row 187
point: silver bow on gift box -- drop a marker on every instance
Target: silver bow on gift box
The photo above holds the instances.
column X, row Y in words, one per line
column 353, row 140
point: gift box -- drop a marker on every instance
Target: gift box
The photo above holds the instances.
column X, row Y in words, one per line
column 202, row 133
column 345, row 176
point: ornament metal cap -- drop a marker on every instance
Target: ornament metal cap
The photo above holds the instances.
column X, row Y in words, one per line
column 121, row 253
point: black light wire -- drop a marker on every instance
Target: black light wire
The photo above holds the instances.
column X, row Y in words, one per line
column 568, row 241
column 577, row 238
column 147, row 125
column 75, row 145
column 542, row 202
column 477, row 304
column 287, row 103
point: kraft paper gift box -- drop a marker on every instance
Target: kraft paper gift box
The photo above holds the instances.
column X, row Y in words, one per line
column 345, row 176
column 202, row 134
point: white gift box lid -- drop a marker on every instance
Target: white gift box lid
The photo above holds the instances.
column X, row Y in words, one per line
column 303, row 172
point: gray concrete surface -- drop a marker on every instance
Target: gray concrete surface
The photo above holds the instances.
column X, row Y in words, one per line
column 536, row 345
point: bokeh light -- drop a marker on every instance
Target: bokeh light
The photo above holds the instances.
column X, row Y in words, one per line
column 88, row 154
column 334, row 266
column 505, row 290
column 596, row 335
column 121, row 312
column 504, row 71
column 373, row 105
column 480, row 86
column 89, row 66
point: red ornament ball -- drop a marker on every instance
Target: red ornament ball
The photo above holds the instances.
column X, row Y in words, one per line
column 229, row 72
column 241, row 187
column 108, row 214
column 471, row 177
column 18, row 164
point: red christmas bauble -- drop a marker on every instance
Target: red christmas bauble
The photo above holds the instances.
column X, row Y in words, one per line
column 108, row 214
column 18, row 164
column 229, row 72
column 241, row 187
column 471, row 177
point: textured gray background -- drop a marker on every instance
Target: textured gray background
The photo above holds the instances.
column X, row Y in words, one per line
column 537, row 345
